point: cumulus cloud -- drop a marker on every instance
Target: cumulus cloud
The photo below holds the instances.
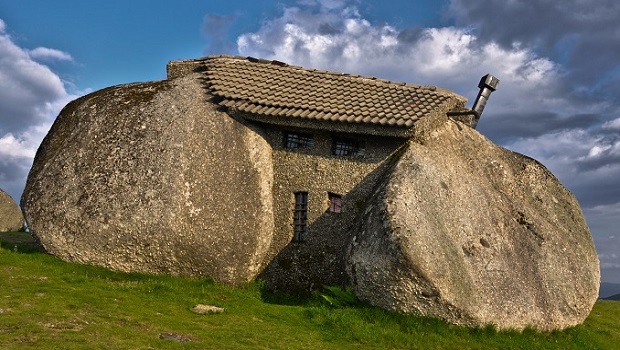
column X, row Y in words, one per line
column 30, row 98
column 577, row 33
column 11, row 147
column 343, row 40
column 613, row 125
column 586, row 162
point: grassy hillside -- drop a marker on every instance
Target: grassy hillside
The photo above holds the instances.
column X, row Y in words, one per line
column 49, row 304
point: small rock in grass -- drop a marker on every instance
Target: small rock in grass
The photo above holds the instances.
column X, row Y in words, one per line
column 207, row 309
column 174, row 337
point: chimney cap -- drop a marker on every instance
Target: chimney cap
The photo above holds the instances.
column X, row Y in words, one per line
column 488, row 81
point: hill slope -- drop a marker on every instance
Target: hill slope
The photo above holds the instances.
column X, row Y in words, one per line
column 614, row 297
column 608, row 289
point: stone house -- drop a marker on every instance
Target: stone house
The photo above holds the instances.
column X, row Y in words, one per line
column 331, row 135
column 236, row 168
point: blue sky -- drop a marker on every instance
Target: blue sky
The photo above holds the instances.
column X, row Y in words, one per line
column 114, row 42
column 558, row 63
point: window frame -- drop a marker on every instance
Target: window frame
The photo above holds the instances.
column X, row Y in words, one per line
column 297, row 140
column 335, row 203
column 347, row 147
column 300, row 216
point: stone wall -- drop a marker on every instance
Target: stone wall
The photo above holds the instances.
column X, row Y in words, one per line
column 177, row 69
column 296, row 267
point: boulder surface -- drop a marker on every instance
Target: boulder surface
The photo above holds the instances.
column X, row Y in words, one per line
column 475, row 234
column 151, row 177
column 11, row 218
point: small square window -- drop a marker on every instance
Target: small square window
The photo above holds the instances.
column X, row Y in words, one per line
column 347, row 147
column 298, row 140
column 335, row 203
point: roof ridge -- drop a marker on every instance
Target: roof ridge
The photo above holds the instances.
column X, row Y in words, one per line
column 322, row 71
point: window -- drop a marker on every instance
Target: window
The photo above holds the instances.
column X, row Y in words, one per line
column 335, row 203
column 347, row 147
column 300, row 216
column 298, row 140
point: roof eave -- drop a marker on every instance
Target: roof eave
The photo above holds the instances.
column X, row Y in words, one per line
column 324, row 125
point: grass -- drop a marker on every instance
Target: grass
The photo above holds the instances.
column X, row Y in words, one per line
column 49, row 304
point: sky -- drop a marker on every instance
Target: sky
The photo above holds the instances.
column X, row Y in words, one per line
column 558, row 63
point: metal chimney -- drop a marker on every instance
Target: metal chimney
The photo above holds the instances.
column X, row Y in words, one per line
column 487, row 85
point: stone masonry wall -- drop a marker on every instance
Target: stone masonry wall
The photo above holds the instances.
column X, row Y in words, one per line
column 297, row 267
column 177, row 69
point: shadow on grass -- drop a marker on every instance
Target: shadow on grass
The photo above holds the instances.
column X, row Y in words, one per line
column 280, row 298
column 329, row 296
column 22, row 242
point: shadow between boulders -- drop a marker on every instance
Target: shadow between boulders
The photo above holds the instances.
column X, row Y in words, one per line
column 302, row 268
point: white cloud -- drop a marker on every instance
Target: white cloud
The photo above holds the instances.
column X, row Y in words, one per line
column 11, row 147
column 609, row 210
column 30, row 98
column 28, row 87
column 578, row 157
column 325, row 40
column 612, row 125
column 325, row 5
column 47, row 53
column 609, row 265
column 608, row 249
column 563, row 147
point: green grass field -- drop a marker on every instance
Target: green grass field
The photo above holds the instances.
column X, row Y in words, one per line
column 49, row 304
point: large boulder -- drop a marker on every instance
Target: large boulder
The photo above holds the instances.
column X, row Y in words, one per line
column 151, row 177
column 475, row 234
column 11, row 218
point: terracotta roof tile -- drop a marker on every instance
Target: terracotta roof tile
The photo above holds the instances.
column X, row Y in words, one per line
column 279, row 90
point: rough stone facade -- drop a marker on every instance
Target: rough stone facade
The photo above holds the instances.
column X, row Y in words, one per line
column 467, row 231
column 318, row 260
column 11, row 218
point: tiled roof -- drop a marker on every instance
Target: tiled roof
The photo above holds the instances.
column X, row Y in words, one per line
column 275, row 89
